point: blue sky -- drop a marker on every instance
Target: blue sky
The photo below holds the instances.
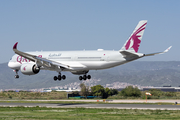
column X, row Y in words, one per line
column 80, row 24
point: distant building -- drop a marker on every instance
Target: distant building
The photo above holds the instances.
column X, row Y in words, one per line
column 165, row 89
column 66, row 89
column 47, row 90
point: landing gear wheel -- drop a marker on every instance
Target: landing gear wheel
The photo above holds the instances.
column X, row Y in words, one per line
column 55, row 78
column 80, row 78
column 59, row 77
column 84, row 77
column 63, row 77
column 16, row 76
column 89, row 76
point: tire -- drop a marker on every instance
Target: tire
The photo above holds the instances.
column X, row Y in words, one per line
column 59, row 77
column 55, row 78
column 84, row 77
column 80, row 78
column 63, row 77
column 89, row 76
column 16, row 76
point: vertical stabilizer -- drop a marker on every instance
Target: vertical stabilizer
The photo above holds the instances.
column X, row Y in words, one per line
column 133, row 43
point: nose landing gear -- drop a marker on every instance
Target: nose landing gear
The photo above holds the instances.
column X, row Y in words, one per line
column 16, row 76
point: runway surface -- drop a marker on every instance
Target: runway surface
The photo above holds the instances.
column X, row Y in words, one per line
column 116, row 106
column 109, row 101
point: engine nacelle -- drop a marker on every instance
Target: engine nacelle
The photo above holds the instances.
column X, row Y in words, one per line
column 29, row 69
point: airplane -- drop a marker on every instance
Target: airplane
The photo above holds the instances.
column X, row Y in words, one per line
column 79, row 62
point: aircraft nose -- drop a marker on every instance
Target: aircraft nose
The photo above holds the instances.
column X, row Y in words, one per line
column 13, row 65
column 10, row 64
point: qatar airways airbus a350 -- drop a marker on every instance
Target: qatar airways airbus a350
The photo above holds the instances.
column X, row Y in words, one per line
column 79, row 62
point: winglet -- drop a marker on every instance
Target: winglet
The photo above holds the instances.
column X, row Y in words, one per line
column 167, row 49
column 15, row 46
column 158, row 52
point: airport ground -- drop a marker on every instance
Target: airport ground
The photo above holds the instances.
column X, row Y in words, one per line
column 44, row 113
column 99, row 101
column 55, row 105
column 112, row 104
column 89, row 109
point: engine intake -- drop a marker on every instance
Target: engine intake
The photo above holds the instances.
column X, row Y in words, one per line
column 29, row 69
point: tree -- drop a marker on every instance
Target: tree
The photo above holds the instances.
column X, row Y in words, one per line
column 98, row 91
column 84, row 90
column 108, row 92
column 114, row 92
column 129, row 91
column 156, row 92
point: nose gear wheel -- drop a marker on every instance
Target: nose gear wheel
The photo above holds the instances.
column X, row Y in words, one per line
column 16, row 76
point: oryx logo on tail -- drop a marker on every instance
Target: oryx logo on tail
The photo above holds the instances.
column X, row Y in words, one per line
column 134, row 40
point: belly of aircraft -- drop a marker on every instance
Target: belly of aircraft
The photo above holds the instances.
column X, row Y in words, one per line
column 93, row 65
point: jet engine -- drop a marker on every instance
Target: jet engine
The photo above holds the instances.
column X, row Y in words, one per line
column 29, row 69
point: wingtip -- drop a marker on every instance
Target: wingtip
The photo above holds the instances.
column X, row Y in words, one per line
column 168, row 49
column 15, row 45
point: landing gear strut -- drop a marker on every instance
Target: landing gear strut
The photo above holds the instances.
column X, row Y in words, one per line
column 59, row 77
column 84, row 77
column 16, row 76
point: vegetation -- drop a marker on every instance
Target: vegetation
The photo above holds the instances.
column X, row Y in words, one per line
column 32, row 95
column 134, row 93
column 158, row 94
column 100, row 91
column 43, row 113
column 84, row 90
column 129, row 91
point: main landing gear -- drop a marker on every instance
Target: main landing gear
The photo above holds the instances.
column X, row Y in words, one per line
column 59, row 77
column 84, row 77
column 16, row 76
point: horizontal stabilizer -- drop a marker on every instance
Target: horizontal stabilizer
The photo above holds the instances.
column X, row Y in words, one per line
column 131, row 55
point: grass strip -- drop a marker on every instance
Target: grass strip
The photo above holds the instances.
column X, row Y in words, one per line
column 43, row 113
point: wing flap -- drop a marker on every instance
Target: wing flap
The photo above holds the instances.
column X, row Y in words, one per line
column 50, row 63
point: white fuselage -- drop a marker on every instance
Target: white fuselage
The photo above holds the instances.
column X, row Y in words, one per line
column 78, row 60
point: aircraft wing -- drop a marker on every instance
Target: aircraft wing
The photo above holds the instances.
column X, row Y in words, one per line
column 158, row 52
column 41, row 61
